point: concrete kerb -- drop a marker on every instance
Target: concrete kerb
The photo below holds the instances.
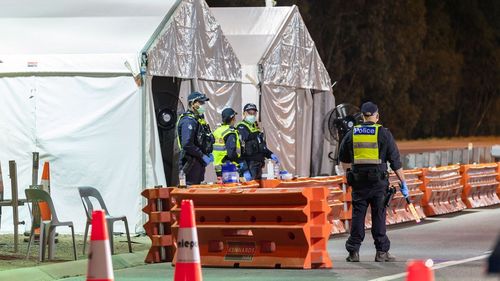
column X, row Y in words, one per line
column 69, row 269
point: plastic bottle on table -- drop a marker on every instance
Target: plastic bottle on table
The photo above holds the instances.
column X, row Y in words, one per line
column 182, row 179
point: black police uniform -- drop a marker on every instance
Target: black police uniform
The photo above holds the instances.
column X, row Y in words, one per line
column 254, row 149
column 196, row 140
column 371, row 193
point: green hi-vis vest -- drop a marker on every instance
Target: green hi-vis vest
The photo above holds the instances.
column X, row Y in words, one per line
column 251, row 127
column 365, row 144
column 220, row 151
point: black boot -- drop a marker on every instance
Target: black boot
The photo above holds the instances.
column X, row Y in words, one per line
column 353, row 257
column 384, row 256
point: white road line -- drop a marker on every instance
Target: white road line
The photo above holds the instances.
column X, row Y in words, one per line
column 437, row 266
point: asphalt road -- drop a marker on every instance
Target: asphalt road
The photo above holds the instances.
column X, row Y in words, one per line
column 458, row 244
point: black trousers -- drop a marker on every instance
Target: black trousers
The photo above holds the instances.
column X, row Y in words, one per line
column 363, row 197
column 196, row 173
column 255, row 168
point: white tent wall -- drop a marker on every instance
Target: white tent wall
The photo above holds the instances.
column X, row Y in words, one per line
column 86, row 127
column 321, row 148
column 293, row 61
column 286, row 118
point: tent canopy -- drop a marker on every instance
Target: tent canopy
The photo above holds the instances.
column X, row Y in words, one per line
column 76, row 36
column 282, row 70
column 192, row 45
column 277, row 39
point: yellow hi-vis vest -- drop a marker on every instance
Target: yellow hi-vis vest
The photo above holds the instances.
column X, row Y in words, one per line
column 365, row 144
column 220, row 151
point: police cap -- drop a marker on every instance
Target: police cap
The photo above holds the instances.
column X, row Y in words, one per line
column 197, row 96
column 250, row 106
column 228, row 114
column 369, row 108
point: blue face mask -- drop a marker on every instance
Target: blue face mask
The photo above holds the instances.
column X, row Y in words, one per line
column 250, row 119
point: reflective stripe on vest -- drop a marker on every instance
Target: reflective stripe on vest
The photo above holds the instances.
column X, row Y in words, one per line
column 365, row 144
column 220, row 150
column 251, row 127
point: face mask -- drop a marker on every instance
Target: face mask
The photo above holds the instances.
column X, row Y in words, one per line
column 201, row 109
column 250, row 119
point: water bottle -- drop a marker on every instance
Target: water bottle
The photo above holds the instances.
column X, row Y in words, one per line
column 270, row 169
column 182, row 179
column 276, row 170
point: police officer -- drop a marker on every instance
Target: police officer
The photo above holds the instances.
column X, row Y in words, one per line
column 195, row 140
column 364, row 152
column 253, row 145
column 227, row 141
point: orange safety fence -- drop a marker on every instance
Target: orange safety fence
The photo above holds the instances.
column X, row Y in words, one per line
column 442, row 189
column 158, row 226
column 480, row 185
column 259, row 228
column 398, row 211
column 334, row 185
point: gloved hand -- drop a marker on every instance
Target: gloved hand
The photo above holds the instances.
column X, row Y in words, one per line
column 243, row 166
column 275, row 158
column 247, row 175
column 404, row 189
column 208, row 159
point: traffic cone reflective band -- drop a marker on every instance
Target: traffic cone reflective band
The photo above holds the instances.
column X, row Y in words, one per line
column 99, row 267
column 418, row 270
column 44, row 207
column 187, row 266
column 46, row 177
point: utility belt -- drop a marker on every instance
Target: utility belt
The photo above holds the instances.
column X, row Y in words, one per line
column 366, row 175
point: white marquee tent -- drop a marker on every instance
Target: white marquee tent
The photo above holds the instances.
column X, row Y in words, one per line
column 283, row 72
column 65, row 91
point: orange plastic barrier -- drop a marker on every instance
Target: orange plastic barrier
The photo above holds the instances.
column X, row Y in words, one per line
column 158, row 226
column 334, row 185
column 398, row 211
column 480, row 185
column 265, row 228
column 442, row 190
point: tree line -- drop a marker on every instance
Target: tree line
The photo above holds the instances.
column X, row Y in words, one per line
column 432, row 66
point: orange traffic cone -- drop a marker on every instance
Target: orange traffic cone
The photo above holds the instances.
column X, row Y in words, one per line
column 46, row 177
column 187, row 267
column 418, row 270
column 44, row 207
column 99, row 266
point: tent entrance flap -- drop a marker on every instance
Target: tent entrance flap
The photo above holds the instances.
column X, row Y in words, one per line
column 168, row 107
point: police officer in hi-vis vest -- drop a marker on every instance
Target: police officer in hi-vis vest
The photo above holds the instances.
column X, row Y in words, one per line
column 253, row 145
column 227, row 141
column 195, row 140
column 364, row 153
